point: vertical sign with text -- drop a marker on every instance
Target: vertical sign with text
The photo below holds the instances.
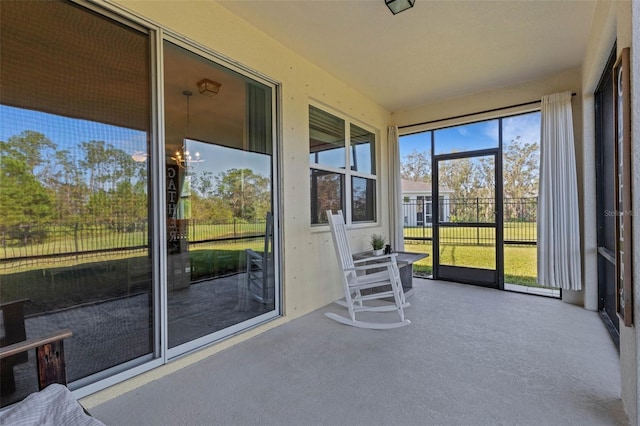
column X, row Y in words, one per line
column 173, row 197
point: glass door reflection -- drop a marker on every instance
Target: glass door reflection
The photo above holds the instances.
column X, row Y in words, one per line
column 221, row 264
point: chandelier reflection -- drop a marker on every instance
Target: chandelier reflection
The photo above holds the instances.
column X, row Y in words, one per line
column 183, row 157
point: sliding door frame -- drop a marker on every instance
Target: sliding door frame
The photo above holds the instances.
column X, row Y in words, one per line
column 604, row 135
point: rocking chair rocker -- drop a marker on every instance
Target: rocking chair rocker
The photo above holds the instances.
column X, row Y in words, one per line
column 366, row 274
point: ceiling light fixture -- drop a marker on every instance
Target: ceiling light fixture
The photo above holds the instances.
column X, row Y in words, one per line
column 208, row 87
column 397, row 6
column 182, row 156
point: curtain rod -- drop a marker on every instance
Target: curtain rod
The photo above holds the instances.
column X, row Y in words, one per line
column 472, row 114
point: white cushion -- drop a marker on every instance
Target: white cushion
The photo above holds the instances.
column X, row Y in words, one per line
column 54, row 405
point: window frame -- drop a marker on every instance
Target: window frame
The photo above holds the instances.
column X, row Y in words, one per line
column 171, row 353
column 347, row 172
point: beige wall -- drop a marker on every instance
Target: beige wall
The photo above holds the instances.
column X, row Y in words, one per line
column 310, row 275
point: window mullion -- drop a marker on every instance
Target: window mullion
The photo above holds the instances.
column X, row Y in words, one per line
column 347, row 196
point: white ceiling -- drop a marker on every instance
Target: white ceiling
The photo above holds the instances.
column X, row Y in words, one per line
column 434, row 51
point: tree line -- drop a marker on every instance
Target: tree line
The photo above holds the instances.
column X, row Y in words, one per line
column 41, row 184
column 236, row 194
column 100, row 184
column 474, row 178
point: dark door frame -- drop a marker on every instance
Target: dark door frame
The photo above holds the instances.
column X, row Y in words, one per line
column 606, row 255
column 475, row 276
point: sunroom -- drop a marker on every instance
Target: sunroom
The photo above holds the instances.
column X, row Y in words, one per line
column 167, row 165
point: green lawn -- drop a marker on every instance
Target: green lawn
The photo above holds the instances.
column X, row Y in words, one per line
column 519, row 261
column 461, row 246
column 199, row 253
column 513, row 231
column 472, row 247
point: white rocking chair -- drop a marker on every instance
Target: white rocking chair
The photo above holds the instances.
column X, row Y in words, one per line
column 366, row 274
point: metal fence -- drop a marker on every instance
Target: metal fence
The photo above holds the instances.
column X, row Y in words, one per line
column 30, row 245
column 459, row 215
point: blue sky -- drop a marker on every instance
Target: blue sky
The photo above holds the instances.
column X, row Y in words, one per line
column 420, row 142
column 474, row 136
column 217, row 158
column 527, row 126
column 69, row 133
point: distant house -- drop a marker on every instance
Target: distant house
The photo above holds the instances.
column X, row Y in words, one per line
column 417, row 203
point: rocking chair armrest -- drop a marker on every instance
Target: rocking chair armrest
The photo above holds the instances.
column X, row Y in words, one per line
column 254, row 258
column 253, row 254
column 369, row 266
column 376, row 258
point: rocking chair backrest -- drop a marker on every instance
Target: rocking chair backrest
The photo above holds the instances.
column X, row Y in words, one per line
column 340, row 239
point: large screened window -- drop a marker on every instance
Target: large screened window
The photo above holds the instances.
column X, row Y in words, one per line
column 75, row 195
column 335, row 142
column 466, row 183
column 85, row 243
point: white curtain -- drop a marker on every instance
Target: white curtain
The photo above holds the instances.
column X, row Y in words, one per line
column 558, row 219
column 396, row 219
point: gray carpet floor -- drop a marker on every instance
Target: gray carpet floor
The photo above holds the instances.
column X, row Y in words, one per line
column 472, row 356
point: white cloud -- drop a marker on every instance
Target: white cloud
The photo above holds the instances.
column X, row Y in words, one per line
column 491, row 129
column 526, row 126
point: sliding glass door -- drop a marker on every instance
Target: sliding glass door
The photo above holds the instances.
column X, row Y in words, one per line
column 219, row 199
column 78, row 245
column 141, row 217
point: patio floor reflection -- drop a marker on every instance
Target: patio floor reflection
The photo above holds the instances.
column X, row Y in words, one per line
column 109, row 332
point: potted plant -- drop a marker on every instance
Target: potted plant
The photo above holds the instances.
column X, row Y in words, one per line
column 377, row 242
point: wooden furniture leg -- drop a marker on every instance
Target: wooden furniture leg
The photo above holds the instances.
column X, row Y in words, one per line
column 50, row 356
column 51, row 366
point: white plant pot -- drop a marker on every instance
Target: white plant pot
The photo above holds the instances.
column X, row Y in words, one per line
column 378, row 252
